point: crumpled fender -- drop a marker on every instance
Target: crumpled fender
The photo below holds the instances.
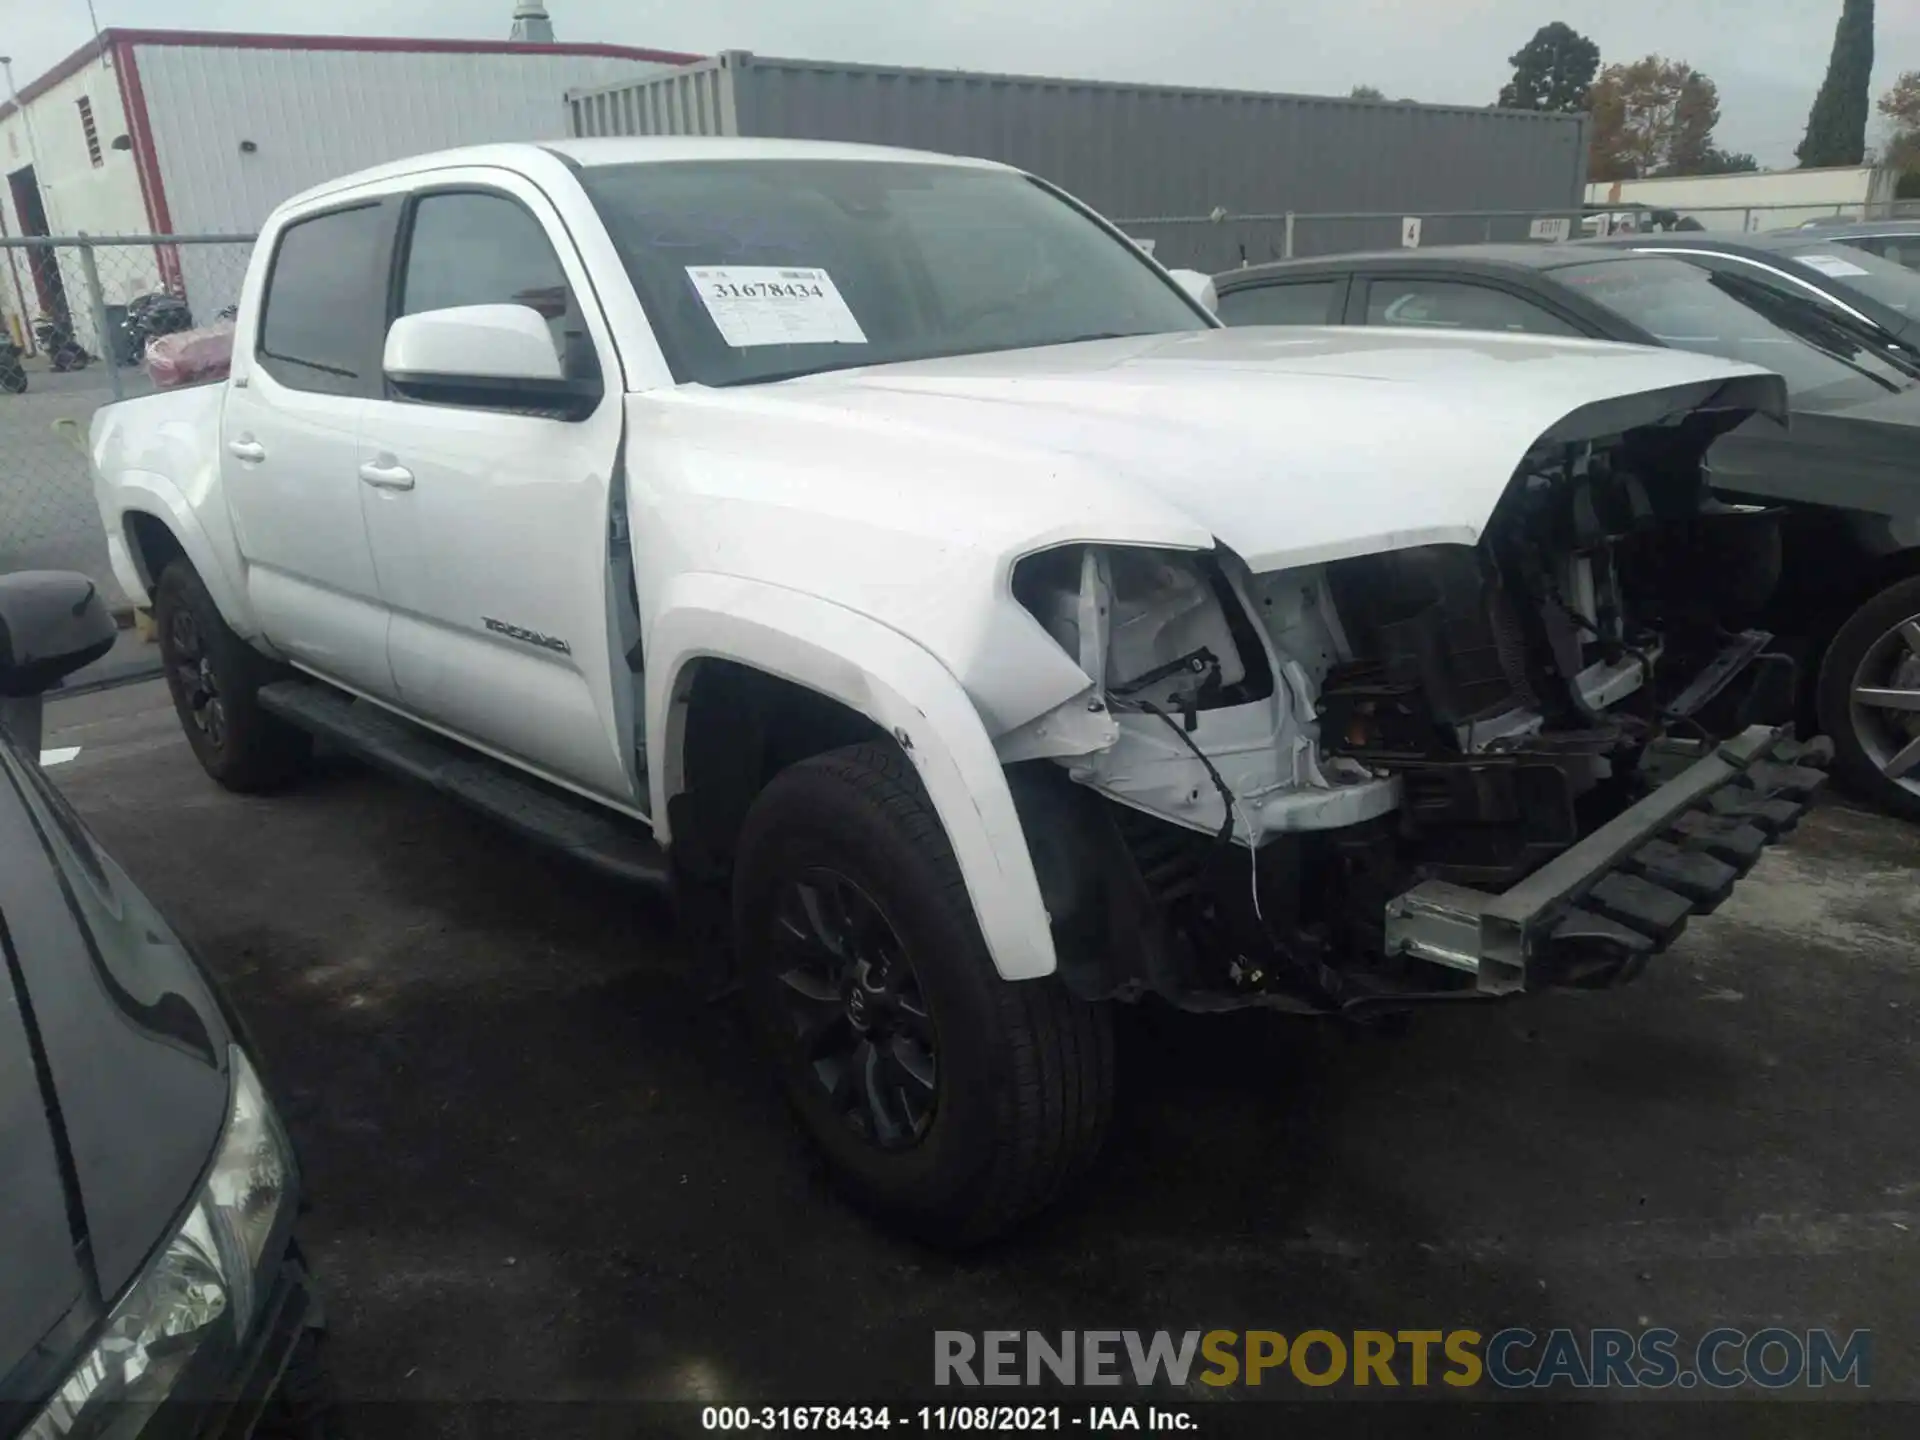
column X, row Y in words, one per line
column 895, row 683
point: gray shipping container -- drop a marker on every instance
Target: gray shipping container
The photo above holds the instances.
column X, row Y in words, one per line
column 1159, row 159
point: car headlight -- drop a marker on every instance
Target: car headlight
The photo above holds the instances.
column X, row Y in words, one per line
column 199, row 1289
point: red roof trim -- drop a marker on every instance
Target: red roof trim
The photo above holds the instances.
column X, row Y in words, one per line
column 66, row 69
column 97, row 48
column 146, row 163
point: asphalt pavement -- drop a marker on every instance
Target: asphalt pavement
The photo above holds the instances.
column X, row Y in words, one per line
column 48, row 518
column 543, row 1163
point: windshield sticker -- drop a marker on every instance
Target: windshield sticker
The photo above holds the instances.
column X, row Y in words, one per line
column 774, row 305
column 1832, row 265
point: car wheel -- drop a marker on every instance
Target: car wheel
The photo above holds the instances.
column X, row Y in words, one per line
column 13, row 379
column 1869, row 700
column 950, row 1103
column 215, row 678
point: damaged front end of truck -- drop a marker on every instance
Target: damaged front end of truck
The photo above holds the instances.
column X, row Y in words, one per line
column 1427, row 773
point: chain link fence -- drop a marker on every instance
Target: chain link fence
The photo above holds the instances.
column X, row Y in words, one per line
column 75, row 315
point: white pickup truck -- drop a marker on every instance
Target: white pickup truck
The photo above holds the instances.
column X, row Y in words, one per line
column 884, row 548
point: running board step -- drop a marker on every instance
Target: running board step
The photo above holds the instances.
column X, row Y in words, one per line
column 578, row 828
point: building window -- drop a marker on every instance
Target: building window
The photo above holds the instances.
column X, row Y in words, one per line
column 93, row 135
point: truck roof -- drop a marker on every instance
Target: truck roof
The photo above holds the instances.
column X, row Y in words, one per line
column 636, row 150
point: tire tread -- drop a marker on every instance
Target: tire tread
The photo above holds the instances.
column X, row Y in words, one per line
column 263, row 752
column 1054, row 1114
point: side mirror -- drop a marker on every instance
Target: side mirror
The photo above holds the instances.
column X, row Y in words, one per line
column 483, row 356
column 1200, row 287
column 51, row 623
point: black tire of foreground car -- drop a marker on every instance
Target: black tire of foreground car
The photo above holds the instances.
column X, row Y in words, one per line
column 1868, row 681
column 215, row 677
column 950, row 1103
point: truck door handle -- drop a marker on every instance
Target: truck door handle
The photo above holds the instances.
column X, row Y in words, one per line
column 247, row 448
column 386, row 477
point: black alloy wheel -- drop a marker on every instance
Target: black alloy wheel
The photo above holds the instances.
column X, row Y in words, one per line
column 195, row 684
column 215, row 677
column 858, row 1021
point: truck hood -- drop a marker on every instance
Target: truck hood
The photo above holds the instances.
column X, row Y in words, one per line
column 1290, row 446
column 907, row 493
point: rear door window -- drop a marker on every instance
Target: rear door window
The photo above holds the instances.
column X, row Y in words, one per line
column 1295, row 302
column 321, row 320
column 1458, row 305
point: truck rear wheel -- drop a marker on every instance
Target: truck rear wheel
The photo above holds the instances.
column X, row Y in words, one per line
column 950, row 1103
column 1869, row 700
column 215, row 677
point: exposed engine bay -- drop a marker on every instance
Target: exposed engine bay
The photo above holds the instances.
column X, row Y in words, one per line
column 1264, row 763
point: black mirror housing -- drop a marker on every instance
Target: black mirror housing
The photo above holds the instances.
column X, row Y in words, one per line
column 51, row 623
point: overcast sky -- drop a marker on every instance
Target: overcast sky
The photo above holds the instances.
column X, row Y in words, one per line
column 1766, row 55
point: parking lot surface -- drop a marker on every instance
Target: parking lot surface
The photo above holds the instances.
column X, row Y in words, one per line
column 48, row 518
column 543, row 1163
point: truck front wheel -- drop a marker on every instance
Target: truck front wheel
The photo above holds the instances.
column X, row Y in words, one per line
column 948, row 1102
column 215, row 678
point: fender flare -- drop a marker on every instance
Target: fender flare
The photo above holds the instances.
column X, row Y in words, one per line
column 144, row 492
column 894, row 682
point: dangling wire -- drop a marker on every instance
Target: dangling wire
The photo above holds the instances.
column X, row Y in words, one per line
column 1230, row 800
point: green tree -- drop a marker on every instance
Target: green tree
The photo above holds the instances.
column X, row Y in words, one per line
column 1726, row 162
column 1551, row 71
column 1837, row 125
column 1653, row 116
column 1366, row 92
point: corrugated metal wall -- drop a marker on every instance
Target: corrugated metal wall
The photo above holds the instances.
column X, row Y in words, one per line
column 694, row 100
column 317, row 114
column 1133, row 151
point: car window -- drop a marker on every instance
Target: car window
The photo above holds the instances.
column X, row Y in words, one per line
column 319, row 319
column 1871, row 275
column 476, row 248
column 1458, row 305
column 1298, row 302
column 1693, row 308
column 1872, row 244
column 758, row 270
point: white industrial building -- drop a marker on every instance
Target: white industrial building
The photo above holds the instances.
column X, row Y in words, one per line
column 157, row 132
column 1758, row 199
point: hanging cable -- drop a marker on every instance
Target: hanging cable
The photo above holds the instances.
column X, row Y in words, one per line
column 1228, row 799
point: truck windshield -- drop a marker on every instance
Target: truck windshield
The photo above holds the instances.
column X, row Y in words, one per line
column 758, row 270
column 1691, row 308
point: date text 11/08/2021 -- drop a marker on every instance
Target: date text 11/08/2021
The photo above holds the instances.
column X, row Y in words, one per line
column 935, row 1419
